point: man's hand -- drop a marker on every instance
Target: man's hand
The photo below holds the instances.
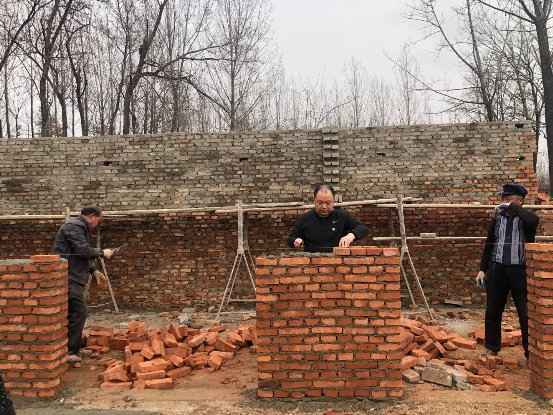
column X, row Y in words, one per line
column 100, row 277
column 108, row 253
column 481, row 279
column 298, row 243
column 502, row 207
column 346, row 241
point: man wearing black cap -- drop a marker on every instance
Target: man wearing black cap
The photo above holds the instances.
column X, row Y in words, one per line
column 503, row 265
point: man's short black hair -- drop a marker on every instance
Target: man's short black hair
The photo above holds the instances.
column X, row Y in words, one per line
column 322, row 186
column 91, row 210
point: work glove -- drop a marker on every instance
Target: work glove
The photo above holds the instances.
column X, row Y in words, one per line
column 481, row 280
column 100, row 277
column 108, row 253
column 298, row 243
column 346, row 241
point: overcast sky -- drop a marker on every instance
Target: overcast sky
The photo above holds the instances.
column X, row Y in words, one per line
column 316, row 37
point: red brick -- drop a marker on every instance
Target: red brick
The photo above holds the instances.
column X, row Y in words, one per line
column 294, row 261
column 116, row 386
column 166, row 383
column 263, row 261
column 45, row 258
column 180, row 372
column 158, row 374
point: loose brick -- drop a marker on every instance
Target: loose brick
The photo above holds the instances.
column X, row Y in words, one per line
column 158, row 374
column 166, row 383
column 179, row 373
column 116, row 386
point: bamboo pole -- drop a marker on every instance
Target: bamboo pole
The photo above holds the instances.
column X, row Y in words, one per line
column 456, row 206
column 262, row 207
column 445, row 238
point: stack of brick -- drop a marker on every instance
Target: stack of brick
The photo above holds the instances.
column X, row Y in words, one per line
column 540, row 316
column 329, row 325
column 430, row 357
column 155, row 358
column 33, row 325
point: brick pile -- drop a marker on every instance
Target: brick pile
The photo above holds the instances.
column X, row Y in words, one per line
column 328, row 325
column 154, row 358
column 430, row 357
column 540, row 316
column 33, row 325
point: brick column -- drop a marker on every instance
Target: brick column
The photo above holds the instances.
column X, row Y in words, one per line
column 328, row 325
column 540, row 316
column 33, row 325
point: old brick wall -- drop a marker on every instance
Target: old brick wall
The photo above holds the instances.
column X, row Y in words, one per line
column 183, row 259
column 328, row 325
column 458, row 162
column 33, row 325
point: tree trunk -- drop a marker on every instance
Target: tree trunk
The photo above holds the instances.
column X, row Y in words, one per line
column 547, row 79
column 63, row 107
column 7, row 103
column 44, row 109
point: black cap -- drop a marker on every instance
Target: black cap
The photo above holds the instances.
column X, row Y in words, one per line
column 516, row 189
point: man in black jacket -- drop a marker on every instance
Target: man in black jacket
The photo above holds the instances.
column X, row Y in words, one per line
column 74, row 244
column 325, row 227
column 503, row 264
column 6, row 405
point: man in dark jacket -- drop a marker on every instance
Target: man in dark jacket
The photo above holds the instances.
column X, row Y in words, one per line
column 325, row 227
column 503, row 264
column 6, row 405
column 74, row 244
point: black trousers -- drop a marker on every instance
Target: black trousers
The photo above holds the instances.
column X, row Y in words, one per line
column 501, row 280
column 78, row 312
column 6, row 405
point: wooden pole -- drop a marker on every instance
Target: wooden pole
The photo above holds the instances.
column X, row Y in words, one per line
column 105, row 271
column 405, row 251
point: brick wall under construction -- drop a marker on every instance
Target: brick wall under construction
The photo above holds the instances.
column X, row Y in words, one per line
column 329, row 325
column 33, row 325
column 540, row 318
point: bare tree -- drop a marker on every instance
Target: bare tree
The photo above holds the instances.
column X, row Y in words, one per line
column 466, row 50
column 241, row 27
column 357, row 91
column 15, row 16
column 537, row 14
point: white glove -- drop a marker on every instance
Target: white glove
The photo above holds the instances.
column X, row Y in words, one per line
column 100, row 277
column 108, row 253
column 298, row 243
column 346, row 241
column 481, row 279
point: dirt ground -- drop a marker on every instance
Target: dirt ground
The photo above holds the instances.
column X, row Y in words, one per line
column 232, row 389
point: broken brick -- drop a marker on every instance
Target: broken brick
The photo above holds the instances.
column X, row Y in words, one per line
column 116, row 386
column 147, row 352
column 177, row 361
column 158, row 374
column 224, row 346
column 166, row 383
column 464, row 343
column 179, row 372
column 169, row 340
column 197, row 340
column 153, row 365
